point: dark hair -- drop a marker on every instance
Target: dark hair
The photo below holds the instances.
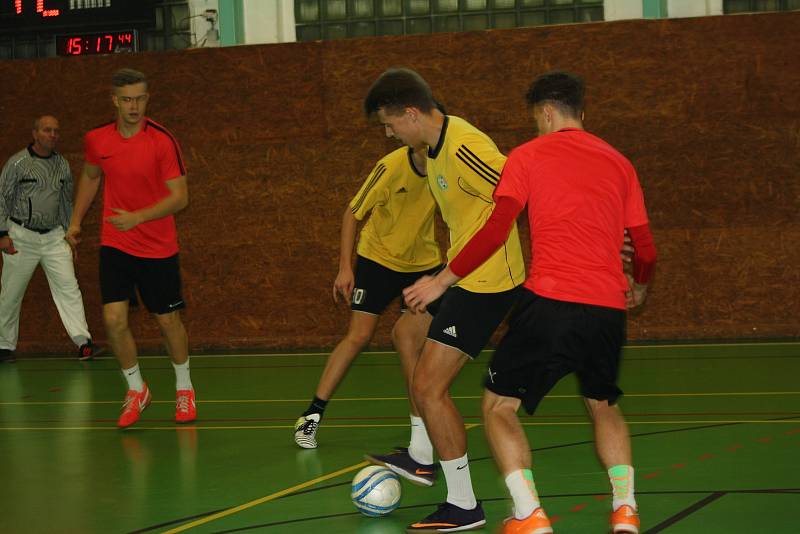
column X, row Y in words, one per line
column 125, row 77
column 396, row 89
column 563, row 89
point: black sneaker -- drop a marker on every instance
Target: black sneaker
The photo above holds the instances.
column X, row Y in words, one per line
column 7, row 355
column 450, row 518
column 88, row 351
column 401, row 463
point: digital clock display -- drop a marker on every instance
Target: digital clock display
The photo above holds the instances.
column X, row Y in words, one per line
column 97, row 43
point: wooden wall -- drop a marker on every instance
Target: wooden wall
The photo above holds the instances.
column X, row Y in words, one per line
column 276, row 143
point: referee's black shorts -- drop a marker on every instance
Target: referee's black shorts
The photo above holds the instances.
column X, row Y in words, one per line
column 548, row 339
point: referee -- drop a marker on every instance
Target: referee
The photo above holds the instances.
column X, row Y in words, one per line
column 35, row 209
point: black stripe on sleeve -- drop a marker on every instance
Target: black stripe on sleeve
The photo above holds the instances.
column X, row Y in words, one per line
column 376, row 175
column 174, row 144
column 477, row 170
column 474, row 157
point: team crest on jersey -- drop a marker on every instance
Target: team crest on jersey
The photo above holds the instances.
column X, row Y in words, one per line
column 442, row 182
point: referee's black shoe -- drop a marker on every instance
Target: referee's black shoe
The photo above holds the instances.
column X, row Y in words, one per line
column 7, row 355
column 404, row 465
column 88, row 351
column 450, row 518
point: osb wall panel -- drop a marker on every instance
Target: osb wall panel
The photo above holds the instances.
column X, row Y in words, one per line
column 276, row 143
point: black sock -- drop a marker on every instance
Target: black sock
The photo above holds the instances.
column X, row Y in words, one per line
column 317, row 406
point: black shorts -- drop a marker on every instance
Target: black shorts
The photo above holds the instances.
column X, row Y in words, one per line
column 466, row 321
column 157, row 279
column 548, row 339
column 377, row 286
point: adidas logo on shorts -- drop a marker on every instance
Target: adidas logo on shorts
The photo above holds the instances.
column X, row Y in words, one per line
column 450, row 331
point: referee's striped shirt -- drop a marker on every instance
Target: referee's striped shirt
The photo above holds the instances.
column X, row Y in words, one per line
column 36, row 191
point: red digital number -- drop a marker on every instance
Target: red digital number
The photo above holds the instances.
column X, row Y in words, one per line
column 110, row 39
column 40, row 9
column 18, row 6
column 74, row 47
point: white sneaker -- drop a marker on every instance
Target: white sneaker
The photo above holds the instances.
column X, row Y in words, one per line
column 305, row 430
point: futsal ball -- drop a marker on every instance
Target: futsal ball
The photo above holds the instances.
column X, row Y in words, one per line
column 375, row 491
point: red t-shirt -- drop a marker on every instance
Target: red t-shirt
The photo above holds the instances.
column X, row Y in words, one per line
column 136, row 171
column 581, row 195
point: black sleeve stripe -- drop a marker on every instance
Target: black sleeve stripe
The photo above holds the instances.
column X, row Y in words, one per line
column 376, row 175
column 479, row 161
column 174, row 144
column 492, row 180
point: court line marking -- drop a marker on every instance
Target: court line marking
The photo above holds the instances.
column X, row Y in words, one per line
column 267, row 498
column 387, row 352
column 371, row 399
column 468, row 426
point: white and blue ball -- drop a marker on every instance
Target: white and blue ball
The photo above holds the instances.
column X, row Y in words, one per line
column 375, row 491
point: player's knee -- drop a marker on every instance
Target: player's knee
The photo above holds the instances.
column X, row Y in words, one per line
column 115, row 320
column 494, row 405
column 169, row 321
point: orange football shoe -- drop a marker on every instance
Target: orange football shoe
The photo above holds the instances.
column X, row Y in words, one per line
column 185, row 408
column 625, row 520
column 134, row 405
column 536, row 523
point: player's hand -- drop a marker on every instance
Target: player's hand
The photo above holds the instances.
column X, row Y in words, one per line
column 636, row 293
column 124, row 220
column 7, row 245
column 343, row 285
column 73, row 236
column 423, row 292
column 627, row 248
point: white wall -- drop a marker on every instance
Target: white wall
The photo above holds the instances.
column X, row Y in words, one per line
column 623, row 9
column 269, row 21
column 199, row 25
column 693, row 8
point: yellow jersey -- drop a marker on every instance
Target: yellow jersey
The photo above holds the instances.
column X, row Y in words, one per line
column 399, row 232
column 463, row 171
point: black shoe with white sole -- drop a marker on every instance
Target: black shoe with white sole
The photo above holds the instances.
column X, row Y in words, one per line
column 404, row 465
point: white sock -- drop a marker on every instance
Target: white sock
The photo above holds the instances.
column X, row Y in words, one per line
column 182, row 378
column 459, row 483
column 420, row 447
column 134, row 378
column 523, row 493
column 621, row 477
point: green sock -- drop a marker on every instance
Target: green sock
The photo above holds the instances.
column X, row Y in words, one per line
column 621, row 477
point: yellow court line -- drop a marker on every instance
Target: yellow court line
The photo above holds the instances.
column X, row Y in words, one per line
column 371, row 399
column 388, row 352
column 267, row 498
column 468, row 426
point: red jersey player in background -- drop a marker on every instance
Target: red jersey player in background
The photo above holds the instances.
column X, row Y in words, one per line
column 581, row 195
column 145, row 184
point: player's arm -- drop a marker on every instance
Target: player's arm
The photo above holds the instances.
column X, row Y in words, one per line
column 644, row 263
column 345, row 279
column 88, row 184
column 176, row 200
column 65, row 198
column 480, row 248
column 7, row 182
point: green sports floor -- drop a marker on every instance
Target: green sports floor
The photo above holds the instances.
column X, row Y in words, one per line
column 715, row 431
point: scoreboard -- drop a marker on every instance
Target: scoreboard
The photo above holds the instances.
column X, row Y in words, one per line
column 80, row 27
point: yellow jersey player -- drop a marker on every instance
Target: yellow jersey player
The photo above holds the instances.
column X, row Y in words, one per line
column 395, row 248
column 463, row 167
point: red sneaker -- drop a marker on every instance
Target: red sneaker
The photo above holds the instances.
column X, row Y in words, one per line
column 536, row 523
column 624, row 520
column 134, row 405
column 185, row 409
